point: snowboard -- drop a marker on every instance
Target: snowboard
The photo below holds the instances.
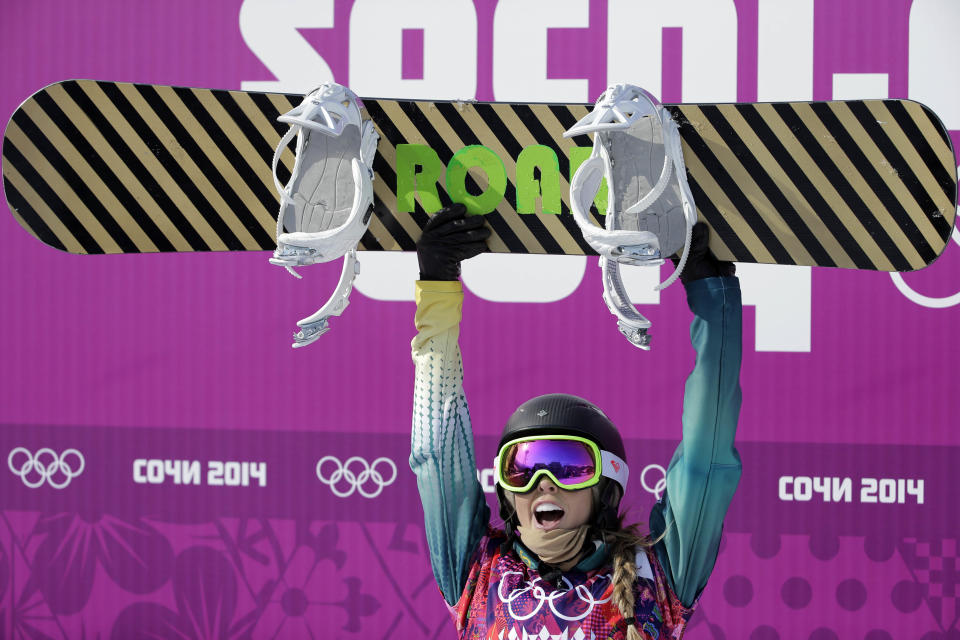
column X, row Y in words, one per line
column 95, row 167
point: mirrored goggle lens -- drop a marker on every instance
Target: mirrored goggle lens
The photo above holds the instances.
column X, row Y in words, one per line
column 569, row 461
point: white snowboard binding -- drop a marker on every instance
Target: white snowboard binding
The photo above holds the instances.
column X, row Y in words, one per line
column 327, row 203
column 650, row 210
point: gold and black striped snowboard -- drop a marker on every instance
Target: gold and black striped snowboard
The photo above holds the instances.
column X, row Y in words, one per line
column 108, row 167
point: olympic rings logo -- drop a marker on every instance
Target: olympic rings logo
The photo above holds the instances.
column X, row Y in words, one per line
column 357, row 474
column 46, row 471
column 661, row 484
column 538, row 593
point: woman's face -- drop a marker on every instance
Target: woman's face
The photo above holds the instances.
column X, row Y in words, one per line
column 547, row 506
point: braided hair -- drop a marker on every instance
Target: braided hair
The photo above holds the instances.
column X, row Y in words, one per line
column 624, row 543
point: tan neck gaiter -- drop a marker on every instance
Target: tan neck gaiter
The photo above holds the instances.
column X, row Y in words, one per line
column 559, row 547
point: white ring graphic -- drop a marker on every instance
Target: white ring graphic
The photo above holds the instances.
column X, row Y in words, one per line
column 45, row 471
column 656, row 489
column 538, row 593
column 919, row 298
column 341, row 472
column 541, row 596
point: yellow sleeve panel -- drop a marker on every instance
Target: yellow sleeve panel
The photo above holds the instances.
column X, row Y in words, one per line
column 439, row 307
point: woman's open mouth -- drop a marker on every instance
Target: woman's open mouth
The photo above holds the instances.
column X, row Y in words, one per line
column 548, row 515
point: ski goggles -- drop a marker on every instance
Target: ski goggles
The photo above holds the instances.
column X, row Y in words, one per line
column 571, row 462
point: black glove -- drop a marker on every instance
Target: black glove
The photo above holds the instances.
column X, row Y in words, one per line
column 701, row 263
column 448, row 238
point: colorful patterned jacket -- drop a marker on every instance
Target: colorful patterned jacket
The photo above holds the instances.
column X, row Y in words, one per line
column 500, row 595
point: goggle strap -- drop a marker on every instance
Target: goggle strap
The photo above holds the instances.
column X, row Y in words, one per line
column 614, row 467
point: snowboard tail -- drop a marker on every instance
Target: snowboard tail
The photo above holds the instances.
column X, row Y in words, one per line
column 105, row 167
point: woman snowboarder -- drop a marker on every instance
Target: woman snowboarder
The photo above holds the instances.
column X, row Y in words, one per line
column 564, row 566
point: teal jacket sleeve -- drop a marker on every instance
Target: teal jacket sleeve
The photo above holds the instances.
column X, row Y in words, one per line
column 442, row 451
column 705, row 469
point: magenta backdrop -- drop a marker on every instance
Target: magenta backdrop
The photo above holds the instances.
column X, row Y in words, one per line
column 185, row 357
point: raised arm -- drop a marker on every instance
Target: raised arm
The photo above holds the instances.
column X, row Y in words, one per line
column 705, row 469
column 442, row 449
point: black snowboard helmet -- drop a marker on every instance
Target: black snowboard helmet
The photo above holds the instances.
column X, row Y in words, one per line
column 565, row 414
